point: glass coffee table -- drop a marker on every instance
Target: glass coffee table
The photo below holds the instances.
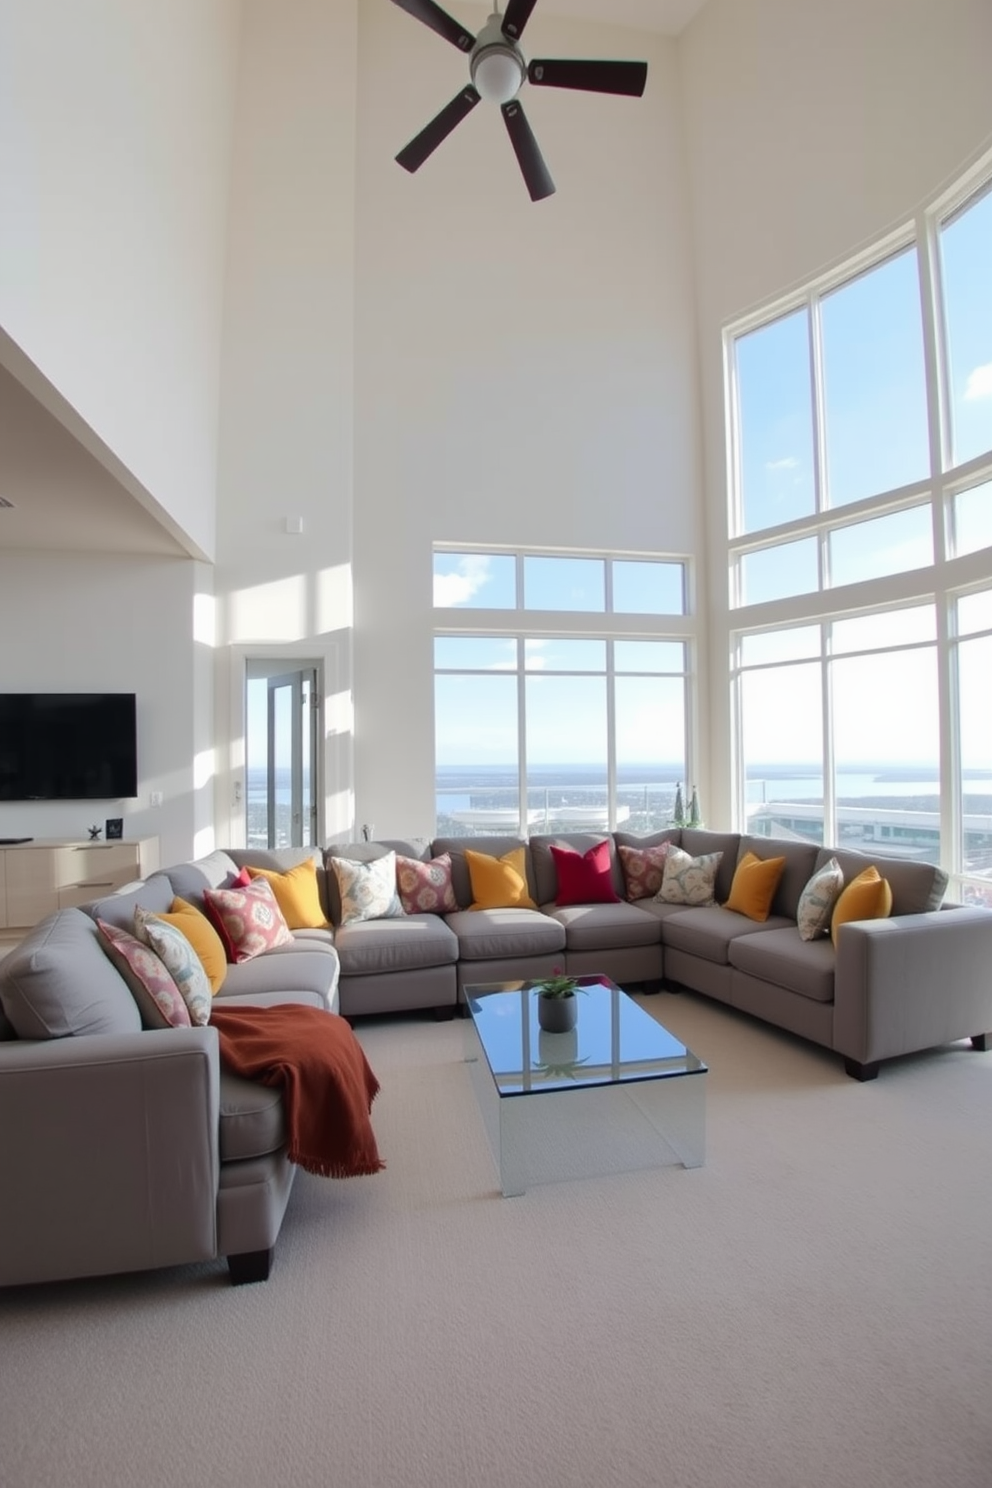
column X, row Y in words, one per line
column 618, row 1092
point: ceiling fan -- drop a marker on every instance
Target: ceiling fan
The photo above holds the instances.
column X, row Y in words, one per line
column 498, row 71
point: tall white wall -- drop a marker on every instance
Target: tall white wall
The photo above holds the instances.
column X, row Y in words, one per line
column 287, row 409
column 91, row 623
column 115, row 120
column 811, row 129
column 525, row 373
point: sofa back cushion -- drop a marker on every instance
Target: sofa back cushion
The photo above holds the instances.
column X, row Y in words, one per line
column 58, row 982
column 699, row 843
column 546, row 875
column 800, row 862
column 916, row 887
column 217, row 870
column 154, row 894
column 493, row 847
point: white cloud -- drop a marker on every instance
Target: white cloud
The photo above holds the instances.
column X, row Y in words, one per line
column 979, row 384
column 789, row 463
column 461, row 587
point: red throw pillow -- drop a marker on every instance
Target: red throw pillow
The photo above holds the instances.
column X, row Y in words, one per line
column 585, row 878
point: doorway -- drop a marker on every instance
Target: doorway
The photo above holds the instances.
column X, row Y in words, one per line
column 282, row 730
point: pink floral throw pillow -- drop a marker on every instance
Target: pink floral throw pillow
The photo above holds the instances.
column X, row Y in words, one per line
column 159, row 1000
column 251, row 917
column 643, row 869
column 425, row 888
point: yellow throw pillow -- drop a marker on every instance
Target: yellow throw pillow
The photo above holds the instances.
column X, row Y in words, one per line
column 297, row 895
column 867, row 897
column 499, row 883
column 754, row 885
column 202, row 937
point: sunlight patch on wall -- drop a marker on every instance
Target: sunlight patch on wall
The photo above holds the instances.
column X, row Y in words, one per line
column 269, row 612
column 204, row 768
column 205, row 620
column 334, row 599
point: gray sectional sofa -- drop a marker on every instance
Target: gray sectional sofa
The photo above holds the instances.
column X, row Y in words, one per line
column 917, row 979
column 125, row 1148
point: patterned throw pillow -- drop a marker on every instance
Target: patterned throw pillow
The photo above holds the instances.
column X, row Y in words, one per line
column 689, row 880
column 159, row 1000
column 180, row 961
column 368, row 890
column 817, row 900
column 426, row 888
column 251, row 918
column 643, row 868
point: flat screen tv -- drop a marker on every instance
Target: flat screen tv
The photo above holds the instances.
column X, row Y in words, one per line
column 68, row 746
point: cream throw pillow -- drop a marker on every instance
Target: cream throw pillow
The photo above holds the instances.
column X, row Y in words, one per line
column 689, row 880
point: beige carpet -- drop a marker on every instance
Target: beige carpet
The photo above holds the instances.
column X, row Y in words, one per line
column 811, row 1309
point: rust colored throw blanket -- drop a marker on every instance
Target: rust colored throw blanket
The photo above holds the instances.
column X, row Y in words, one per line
column 327, row 1084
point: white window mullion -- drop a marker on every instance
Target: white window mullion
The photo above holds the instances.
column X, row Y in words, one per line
column 522, row 729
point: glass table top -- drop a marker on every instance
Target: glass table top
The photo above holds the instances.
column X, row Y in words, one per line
column 613, row 1042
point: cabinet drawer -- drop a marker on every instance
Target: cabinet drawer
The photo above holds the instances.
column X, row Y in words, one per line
column 113, row 863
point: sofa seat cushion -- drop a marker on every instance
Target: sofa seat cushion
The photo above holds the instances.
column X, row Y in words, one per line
column 784, row 959
column 605, row 927
column 289, row 969
column 59, row 981
column 252, row 1119
column 500, row 934
column 407, row 943
column 708, row 931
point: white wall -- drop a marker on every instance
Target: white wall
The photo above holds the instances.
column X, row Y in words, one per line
column 115, row 123
column 811, row 129
column 287, row 410
column 86, row 623
column 525, row 373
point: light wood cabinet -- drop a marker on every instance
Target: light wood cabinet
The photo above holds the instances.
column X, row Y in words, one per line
column 36, row 878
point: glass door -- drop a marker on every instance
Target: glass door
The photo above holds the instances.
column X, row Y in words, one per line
column 281, row 735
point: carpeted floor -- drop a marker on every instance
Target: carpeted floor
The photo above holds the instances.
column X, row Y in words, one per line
column 811, row 1309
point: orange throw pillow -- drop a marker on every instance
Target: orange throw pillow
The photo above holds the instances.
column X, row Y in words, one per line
column 754, row 885
column 867, row 897
column 202, row 937
column 499, row 883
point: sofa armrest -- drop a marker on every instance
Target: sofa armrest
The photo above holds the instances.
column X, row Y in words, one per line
column 109, row 1153
column 912, row 982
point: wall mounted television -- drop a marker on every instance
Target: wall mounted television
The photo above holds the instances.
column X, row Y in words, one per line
column 68, row 746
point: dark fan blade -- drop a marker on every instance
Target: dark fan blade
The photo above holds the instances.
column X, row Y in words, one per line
column 413, row 155
column 516, row 18
column 535, row 172
column 440, row 21
column 590, row 77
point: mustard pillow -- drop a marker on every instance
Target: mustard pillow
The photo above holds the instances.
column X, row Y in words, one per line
column 202, row 937
column 499, row 883
column 754, row 885
column 867, row 897
column 297, row 895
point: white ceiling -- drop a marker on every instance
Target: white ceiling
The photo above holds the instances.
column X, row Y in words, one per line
column 665, row 16
column 61, row 494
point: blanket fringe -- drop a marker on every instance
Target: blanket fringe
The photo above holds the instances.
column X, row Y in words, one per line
column 322, row 1169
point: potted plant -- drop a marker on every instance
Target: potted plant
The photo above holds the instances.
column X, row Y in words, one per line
column 557, row 1004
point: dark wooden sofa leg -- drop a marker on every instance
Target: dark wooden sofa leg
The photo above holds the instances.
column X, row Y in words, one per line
column 442, row 1014
column 862, row 1071
column 982, row 1042
column 251, row 1265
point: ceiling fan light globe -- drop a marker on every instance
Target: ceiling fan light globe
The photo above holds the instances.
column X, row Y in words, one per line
column 497, row 74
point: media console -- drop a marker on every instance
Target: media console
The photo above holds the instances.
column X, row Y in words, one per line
column 39, row 876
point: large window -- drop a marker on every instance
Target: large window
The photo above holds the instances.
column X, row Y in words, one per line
column 860, row 548
column 583, row 726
